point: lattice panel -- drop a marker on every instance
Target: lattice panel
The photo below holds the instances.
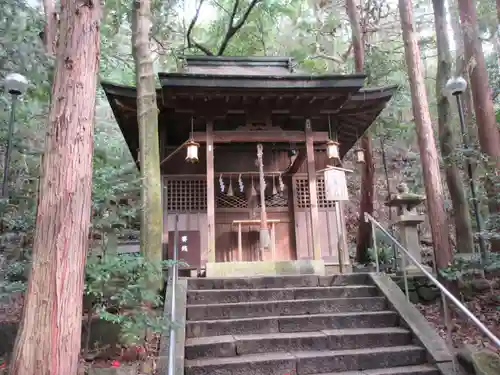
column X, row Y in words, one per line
column 301, row 192
column 236, row 201
column 277, row 200
column 185, row 195
column 321, row 189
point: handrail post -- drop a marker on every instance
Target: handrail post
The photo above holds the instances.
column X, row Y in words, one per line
column 340, row 240
column 440, row 286
column 405, row 276
column 375, row 249
column 174, row 276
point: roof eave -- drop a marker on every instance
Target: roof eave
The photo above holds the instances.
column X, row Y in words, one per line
column 285, row 82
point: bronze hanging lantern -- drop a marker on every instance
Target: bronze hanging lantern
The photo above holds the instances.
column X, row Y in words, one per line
column 192, row 147
column 332, row 149
column 192, row 151
column 332, row 146
column 360, row 155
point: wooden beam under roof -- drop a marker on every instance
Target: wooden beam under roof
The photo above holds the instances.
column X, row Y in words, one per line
column 297, row 163
column 298, row 105
column 264, row 136
column 354, row 116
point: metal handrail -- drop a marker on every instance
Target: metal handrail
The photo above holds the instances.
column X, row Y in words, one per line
column 174, row 278
column 442, row 288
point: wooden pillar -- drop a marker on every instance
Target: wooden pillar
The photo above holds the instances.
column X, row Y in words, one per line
column 162, row 130
column 313, row 193
column 210, row 193
column 273, row 241
column 240, row 244
column 264, row 230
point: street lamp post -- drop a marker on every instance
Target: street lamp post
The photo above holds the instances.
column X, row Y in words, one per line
column 16, row 85
column 456, row 86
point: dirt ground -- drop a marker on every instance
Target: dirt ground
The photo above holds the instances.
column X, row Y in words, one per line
column 485, row 305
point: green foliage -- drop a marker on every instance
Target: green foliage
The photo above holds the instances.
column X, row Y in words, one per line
column 118, row 287
column 13, row 280
column 385, row 255
column 461, row 267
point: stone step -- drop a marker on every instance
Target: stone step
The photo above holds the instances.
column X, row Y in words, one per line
column 283, row 308
column 278, row 281
column 198, row 297
column 407, row 370
column 308, row 363
column 335, row 339
column 297, row 323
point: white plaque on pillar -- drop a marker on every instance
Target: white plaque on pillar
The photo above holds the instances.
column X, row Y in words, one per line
column 336, row 185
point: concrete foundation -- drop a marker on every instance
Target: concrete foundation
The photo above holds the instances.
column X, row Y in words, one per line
column 333, row 268
column 266, row 268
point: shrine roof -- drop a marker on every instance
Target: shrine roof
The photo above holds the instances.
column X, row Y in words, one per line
column 235, row 90
column 223, row 73
column 230, row 65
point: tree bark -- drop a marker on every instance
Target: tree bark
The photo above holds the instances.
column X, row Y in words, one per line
column 50, row 31
column 426, row 142
column 364, row 237
column 461, row 70
column 48, row 341
column 497, row 37
column 149, row 148
column 498, row 12
column 461, row 210
column 489, row 136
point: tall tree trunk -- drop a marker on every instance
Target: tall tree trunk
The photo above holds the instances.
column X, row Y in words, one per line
column 468, row 106
column 497, row 37
column 460, row 70
column 498, row 12
column 489, row 136
column 426, row 142
column 149, row 148
column 461, row 212
column 364, row 239
column 49, row 35
column 48, row 341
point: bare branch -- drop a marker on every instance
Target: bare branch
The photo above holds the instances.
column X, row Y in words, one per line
column 189, row 38
column 231, row 31
column 320, row 54
column 261, row 35
column 346, row 54
column 221, row 7
column 232, row 28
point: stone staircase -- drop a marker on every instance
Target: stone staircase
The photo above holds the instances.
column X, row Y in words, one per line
column 298, row 325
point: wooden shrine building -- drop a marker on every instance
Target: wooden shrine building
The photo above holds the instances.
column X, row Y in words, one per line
column 229, row 105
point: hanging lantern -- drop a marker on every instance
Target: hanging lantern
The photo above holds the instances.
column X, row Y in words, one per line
column 192, row 151
column 332, row 149
column 360, row 155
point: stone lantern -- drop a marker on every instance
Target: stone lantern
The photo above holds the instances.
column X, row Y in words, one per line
column 407, row 222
